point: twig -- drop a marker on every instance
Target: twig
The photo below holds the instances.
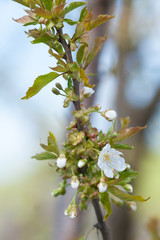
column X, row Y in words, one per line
column 101, row 225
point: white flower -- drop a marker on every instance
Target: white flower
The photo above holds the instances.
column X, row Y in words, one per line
column 110, row 160
column 88, row 91
column 102, row 187
column 61, row 161
column 110, row 115
column 81, row 163
column 74, row 182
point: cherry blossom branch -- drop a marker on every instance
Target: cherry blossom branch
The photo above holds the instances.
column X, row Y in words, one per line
column 101, row 225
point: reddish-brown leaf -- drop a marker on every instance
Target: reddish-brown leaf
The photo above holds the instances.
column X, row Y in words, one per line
column 127, row 132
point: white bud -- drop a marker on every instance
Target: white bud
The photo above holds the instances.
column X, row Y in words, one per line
column 110, row 115
column 61, row 161
column 81, row 163
column 128, row 166
column 74, row 182
column 66, row 212
column 128, row 188
column 102, row 186
column 116, row 176
column 88, row 91
column 73, row 212
column 132, row 206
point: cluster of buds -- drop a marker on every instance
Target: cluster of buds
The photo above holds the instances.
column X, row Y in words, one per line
column 71, row 211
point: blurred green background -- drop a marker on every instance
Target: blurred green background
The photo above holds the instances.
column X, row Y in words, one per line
column 129, row 81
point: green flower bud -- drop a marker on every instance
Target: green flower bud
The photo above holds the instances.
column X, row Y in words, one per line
column 55, row 91
column 58, row 191
column 59, row 86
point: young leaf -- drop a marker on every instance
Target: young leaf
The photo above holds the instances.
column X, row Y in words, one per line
column 106, row 204
column 43, row 13
column 45, row 156
column 124, row 133
column 48, row 4
column 70, row 83
column 25, row 19
column 81, row 54
column 125, row 196
column 72, row 6
column 58, row 2
column 57, row 57
column 69, row 21
column 127, row 176
column 80, row 30
column 39, row 83
column 52, row 145
column 123, row 146
column 57, row 10
column 59, row 69
column 23, row 2
column 99, row 20
column 96, row 48
column 51, row 138
column 85, row 79
column 83, row 14
column 125, row 122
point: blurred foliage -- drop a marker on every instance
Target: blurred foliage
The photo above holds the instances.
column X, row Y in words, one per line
column 26, row 207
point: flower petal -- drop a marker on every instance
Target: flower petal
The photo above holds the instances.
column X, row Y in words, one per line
column 108, row 172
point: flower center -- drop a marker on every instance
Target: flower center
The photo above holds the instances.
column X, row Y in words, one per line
column 106, row 157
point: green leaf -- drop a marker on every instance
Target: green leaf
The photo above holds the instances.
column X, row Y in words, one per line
column 30, row 23
column 58, row 2
column 80, row 30
column 124, row 177
column 70, row 22
column 106, row 204
column 45, row 156
column 48, row 4
column 81, row 53
column 125, row 196
column 51, row 138
column 123, row 146
column 96, row 48
column 83, row 14
column 70, row 83
column 39, row 83
column 124, row 133
column 57, row 57
column 23, row 2
column 127, row 176
column 73, row 5
column 59, row 69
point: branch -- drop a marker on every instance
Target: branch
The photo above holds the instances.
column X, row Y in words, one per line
column 101, row 225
